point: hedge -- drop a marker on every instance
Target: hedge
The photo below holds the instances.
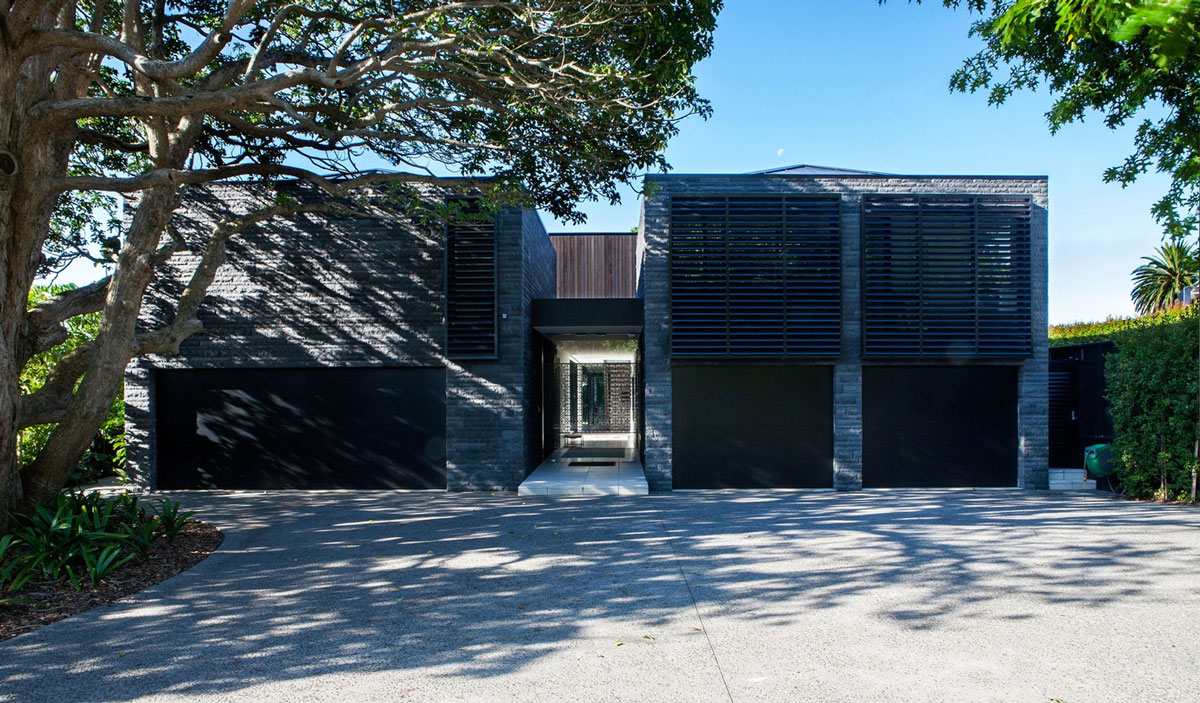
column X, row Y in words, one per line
column 1152, row 388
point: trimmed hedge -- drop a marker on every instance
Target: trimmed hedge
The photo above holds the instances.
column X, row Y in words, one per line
column 1114, row 328
column 1152, row 388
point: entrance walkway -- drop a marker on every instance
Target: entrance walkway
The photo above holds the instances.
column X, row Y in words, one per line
column 596, row 467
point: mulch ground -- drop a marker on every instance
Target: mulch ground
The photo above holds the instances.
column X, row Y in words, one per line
column 41, row 603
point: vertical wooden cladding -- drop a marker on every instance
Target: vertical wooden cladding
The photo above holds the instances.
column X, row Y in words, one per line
column 947, row 276
column 755, row 276
column 596, row 265
column 471, row 331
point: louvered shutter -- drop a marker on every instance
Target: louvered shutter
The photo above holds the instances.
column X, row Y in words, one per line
column 755, row 276
column 946, row 276
column 471, row 331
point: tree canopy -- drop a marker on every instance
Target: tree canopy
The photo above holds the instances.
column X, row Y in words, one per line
column 556, row 101
column 1125, row 60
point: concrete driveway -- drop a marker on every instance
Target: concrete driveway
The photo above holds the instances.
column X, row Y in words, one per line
column 786, row 596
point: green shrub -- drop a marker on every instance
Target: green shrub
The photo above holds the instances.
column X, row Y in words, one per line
column 82, row 536
column 1114, row 328
column 1152, row 389
column 171, row 521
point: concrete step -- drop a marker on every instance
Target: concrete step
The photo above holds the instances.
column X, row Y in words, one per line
column 1070, row 480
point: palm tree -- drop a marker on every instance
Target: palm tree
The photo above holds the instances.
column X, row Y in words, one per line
column 1158, row 283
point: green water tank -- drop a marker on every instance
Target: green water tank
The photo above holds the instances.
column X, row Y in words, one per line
column 1097, row 459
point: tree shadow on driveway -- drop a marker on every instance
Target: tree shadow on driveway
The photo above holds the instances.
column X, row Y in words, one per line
column 472, row 588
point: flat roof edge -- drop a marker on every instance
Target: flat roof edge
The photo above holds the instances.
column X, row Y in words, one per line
column 765, row 176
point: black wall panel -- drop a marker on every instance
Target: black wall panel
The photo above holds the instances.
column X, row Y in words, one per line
column 301, row 428
column 752, row 426
column 939, row 426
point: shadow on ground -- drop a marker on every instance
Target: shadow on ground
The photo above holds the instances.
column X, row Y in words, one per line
column 478, row 586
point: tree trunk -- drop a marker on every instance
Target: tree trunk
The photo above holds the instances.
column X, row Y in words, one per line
column 10, row 477
column 39, row 155
column 113, row 348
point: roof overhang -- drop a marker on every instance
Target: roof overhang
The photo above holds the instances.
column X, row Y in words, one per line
column 588, row 315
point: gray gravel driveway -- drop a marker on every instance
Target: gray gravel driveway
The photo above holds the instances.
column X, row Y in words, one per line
column 743, row 596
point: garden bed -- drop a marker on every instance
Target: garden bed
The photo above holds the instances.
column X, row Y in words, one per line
column 41, row 603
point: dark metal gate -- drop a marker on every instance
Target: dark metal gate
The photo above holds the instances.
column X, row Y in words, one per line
column 595, row 398
column 1079, row 413
column 1064, row 419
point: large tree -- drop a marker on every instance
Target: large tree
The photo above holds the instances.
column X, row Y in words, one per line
column 1121, row 60
column 558, row 101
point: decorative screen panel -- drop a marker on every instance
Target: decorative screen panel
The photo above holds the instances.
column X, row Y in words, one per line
column 471, row 291
column 946, row 276
column 755, row 276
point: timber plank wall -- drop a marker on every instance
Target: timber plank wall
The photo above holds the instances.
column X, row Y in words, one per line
column 596, row 265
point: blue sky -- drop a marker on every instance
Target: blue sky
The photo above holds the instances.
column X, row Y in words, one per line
column 850, row 83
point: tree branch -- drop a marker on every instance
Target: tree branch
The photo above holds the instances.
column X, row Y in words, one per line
column 43, row 323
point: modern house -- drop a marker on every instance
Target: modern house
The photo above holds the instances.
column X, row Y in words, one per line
column 804, row 327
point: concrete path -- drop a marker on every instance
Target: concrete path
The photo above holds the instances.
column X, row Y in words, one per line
column 590, row 471
column 788, row 596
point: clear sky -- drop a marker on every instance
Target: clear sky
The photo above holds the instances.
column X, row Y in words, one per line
column 852, row 84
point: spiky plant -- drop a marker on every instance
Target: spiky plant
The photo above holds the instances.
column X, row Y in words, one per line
column 1158, row 283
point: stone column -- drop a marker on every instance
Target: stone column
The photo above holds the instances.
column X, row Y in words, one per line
column 1033, row 403
column 656, row 340
column 847, row 374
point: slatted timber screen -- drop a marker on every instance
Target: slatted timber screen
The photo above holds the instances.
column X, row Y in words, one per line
column 946, row 276
column 755, row 276
column 471, row 331
column 596, row 265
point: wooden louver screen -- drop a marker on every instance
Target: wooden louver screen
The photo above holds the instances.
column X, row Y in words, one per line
column 947, row 276
column 755, row 276
column 471, row 291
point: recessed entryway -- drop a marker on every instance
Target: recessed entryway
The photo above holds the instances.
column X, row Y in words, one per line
column 602, row 465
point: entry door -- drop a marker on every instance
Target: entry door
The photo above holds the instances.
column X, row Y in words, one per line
column 594, row 405
column 1065, row 449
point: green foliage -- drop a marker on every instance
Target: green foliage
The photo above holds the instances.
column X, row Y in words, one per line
column 1113, row 329
column 83, row 537
column 170, row 520
column 500, row 99
column 106, row 457
column 1123, row 59
column 1152, row 389
column 1158, row 283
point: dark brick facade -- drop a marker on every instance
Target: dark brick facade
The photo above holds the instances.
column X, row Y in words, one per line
column 846, row 472
column 328, row 291
column 317, row 290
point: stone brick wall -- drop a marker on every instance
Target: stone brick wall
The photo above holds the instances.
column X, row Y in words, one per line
column 846, row 471
column 538, row 281
column 334, row 291
column 656, row 341
column 492, row 407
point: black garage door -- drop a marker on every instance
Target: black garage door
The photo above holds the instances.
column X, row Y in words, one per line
column 752, row 426
column 301, row 428
column 948, row 426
